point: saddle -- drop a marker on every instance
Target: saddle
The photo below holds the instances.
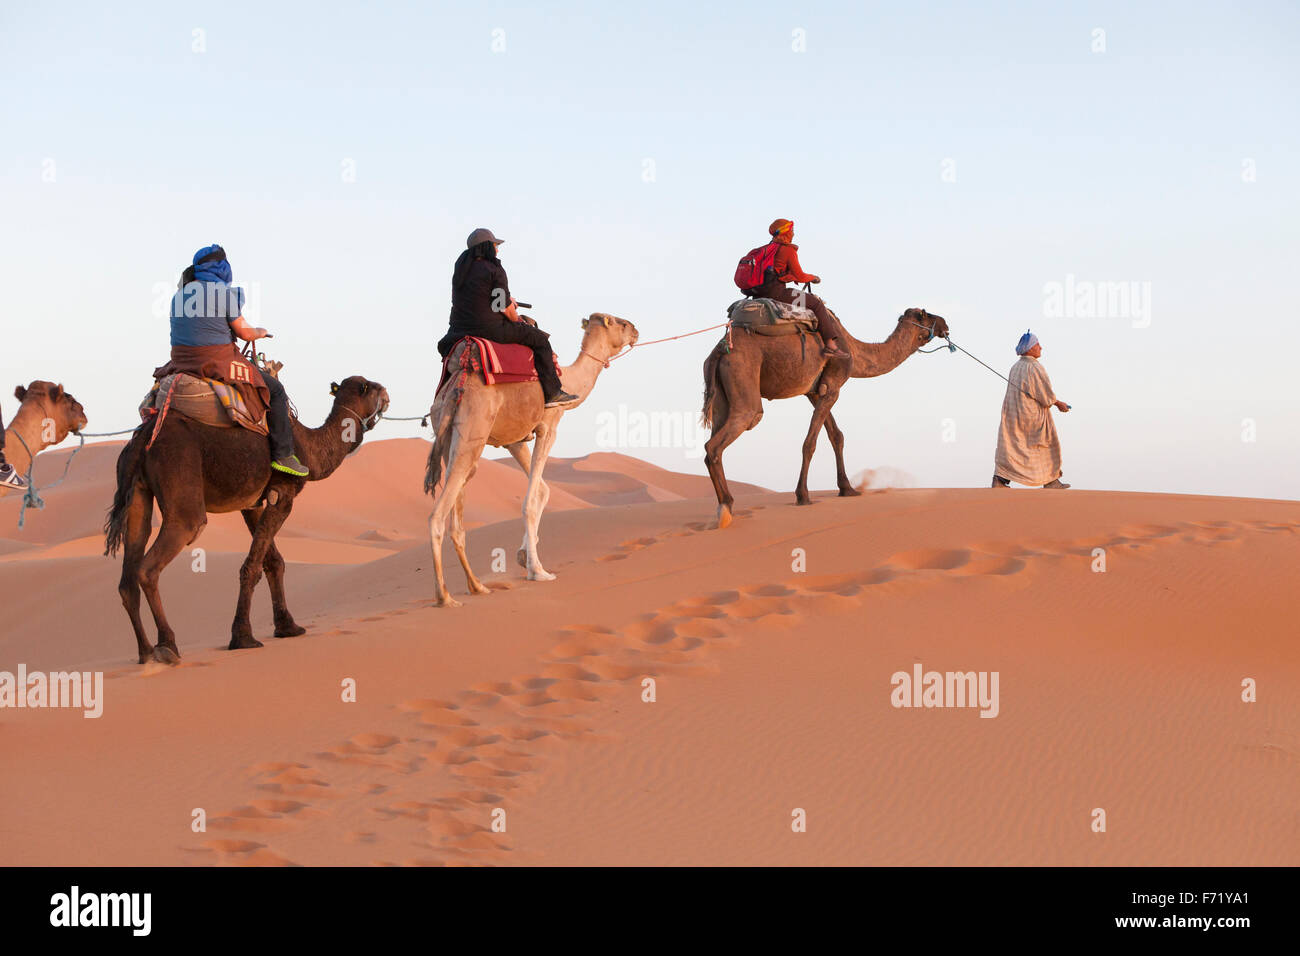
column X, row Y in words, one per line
column 498, row 363
column 771, row 317
column 204, row 400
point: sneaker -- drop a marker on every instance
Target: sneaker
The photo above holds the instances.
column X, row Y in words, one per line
column 1000, row 482
column 561, row 398
column 291, row 466
column 836, row 352
column 1056, row 483
column 10, row 478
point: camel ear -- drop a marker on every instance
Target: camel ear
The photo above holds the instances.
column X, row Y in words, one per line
column 20, row 393
column 334, row 388
column 585, row 322
column 58, row 393
column 365, row 388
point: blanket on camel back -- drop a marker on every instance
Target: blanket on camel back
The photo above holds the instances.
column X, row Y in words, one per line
column 205, row 400
column 499, row 364
column 770, row 317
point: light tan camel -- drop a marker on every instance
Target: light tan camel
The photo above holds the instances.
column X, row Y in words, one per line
column 46, row 415
column 506, row 415
column 783, row 366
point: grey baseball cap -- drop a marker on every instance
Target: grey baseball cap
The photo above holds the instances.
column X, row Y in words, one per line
column 480, row 236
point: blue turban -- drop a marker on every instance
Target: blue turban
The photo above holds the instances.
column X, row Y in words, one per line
column 215, row 271
column 1027, row 341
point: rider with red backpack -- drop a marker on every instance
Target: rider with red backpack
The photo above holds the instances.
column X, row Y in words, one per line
column 763, row 274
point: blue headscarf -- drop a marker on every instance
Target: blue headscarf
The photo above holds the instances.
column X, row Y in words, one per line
column 1027, row 341
column 215, row 271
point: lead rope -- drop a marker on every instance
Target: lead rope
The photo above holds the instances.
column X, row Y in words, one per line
column 671, row 338
column 32, row 496
column 954, row 347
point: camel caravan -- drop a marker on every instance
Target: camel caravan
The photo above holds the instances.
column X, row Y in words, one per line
column 218, row 433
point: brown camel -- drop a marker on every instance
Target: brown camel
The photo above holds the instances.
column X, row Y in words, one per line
column 508, row 415
column 783, row 366
column 46, row 415
column 194, row 470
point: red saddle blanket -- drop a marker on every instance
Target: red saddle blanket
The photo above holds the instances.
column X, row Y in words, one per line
column 498, row 363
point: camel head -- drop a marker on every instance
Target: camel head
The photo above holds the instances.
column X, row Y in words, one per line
column 51, row 403
column 365, row 399
column 935, row 325
column 606, row 335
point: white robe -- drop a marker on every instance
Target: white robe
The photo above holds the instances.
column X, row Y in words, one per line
column 1029, row 451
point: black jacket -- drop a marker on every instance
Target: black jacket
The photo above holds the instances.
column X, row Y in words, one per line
column 472, row 302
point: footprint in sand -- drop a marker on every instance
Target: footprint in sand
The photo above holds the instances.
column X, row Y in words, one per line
column 490, row 743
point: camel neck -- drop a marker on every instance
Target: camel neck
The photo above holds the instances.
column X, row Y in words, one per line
column 28, row 422
column 876, row 358
column 323, row 449
column 580, row 377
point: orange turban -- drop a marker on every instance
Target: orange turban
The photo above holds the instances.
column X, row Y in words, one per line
column 779, row 226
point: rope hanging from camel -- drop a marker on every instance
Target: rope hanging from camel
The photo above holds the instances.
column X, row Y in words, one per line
column 32, row 496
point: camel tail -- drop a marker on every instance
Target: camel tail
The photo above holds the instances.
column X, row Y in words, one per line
column 129, row 463
column 440, row 418
column 710, row 387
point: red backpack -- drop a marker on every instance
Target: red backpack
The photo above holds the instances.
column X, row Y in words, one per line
column 752, row 270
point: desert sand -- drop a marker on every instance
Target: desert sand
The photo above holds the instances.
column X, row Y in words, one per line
column 771, row 646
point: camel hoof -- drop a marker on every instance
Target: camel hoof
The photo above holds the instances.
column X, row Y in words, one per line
column 804, row 501
column 243, row 643
column 724, row 517
column 293, row 630
column 166, row 655
column 850, row 492
column 480, row 589
column 447, row 601
column 540, row 575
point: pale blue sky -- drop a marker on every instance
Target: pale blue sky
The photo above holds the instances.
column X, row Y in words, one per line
column 1115, row 166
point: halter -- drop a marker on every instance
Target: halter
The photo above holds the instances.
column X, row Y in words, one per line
column 930, row 333
column 366, row 423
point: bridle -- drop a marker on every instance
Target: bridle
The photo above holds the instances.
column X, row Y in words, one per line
column 367, row 423
column 931, row 333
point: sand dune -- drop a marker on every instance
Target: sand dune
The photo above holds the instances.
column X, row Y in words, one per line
column 772, row 646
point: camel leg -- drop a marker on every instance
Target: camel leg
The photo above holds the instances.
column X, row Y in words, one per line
column 270, row 522
column 273, row 566
column 735, row 425
column 139, row 522
column 822, row 405
column 837, row 443
column 534, row 503
column 519, row 451
column 461, row 460
column 458, row 542
column 178, row 531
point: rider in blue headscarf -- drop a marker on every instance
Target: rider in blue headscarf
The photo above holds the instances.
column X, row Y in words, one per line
column 206, row 320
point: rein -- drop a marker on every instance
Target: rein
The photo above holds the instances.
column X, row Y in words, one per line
column 671, row 338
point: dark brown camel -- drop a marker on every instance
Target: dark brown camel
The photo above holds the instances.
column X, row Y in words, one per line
column 781, row 366
column 194, row 470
